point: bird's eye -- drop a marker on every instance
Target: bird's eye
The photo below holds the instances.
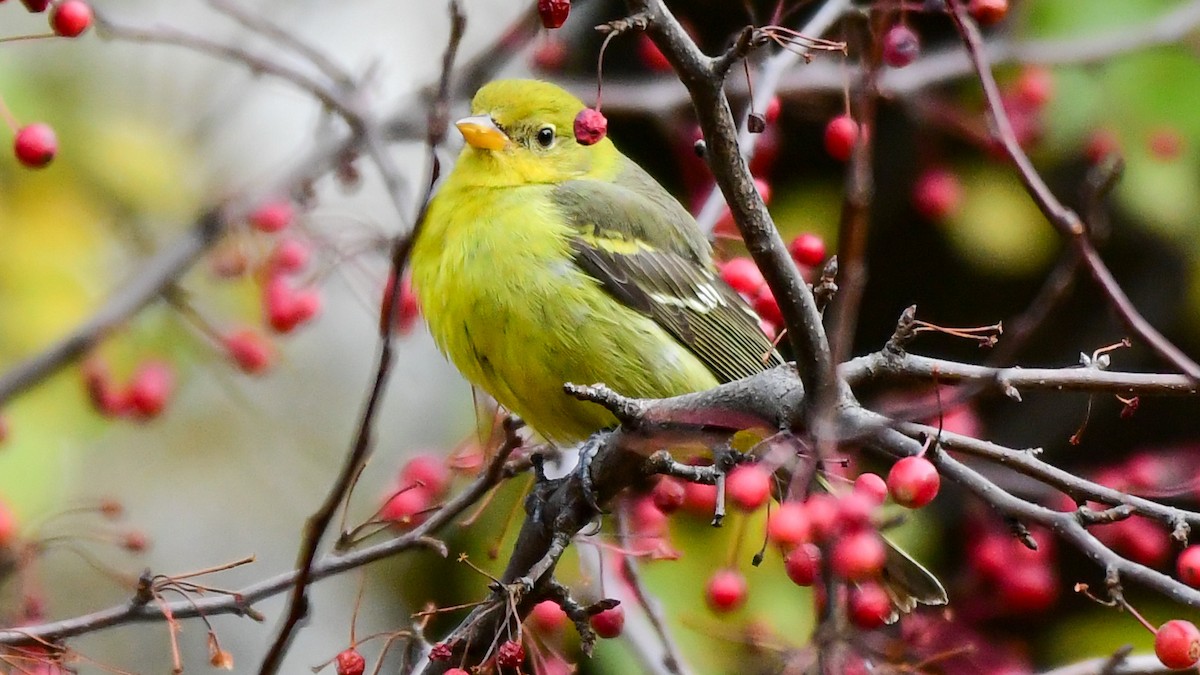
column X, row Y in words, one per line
column 545, row 136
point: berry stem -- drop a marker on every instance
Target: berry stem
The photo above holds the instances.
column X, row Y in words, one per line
column 24, row 38
column 9, row 118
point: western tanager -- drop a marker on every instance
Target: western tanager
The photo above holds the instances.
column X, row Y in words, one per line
column 543, row 261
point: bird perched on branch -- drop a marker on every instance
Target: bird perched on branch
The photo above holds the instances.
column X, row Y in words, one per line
column 549, row 257
column 543, row 260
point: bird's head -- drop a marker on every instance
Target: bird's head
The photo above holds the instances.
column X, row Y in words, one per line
column 522, row 132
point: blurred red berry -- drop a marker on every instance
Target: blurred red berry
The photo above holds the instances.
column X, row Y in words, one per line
column 249, row 350
column 841, row 133
column 1035, row 86
column 913, row 482
column 668, row 494
column 350, row 662
column 1177, row 644
column 857, row 556
column 406, row 508
column 8, row 526
column 1026, row 588
column 937, row 194
column 699, row 498
column 788, row 525
column 553, row 13
column 807, row 249
column 550, row 55
column 1166, row 144
column 774, row 107
column 1188, row 566
column 1101, row 144
column 726, row 590
column 901, row 46
column 748, row 486
column 289, row 256
column 70, row 18
column 548, row 617
column 803, row 564
column 35, row 145
column 855, row 511
column 646, row 519
column 286, row 307
column 409, row 309
column 150, row 388
column 822, row 510
column 872, row 485
column 273, row 216
column 743, row 275
column 36, row 5
column 651, row 56
column 457, row 671
column 765, row 306
column 609, row 623
column 870, row 606
column 428, row 471
column 590, row 126
column 988, row 12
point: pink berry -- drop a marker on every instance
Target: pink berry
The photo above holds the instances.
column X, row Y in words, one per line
column 855, row 511
column 553, row 13
column 647, row 520
column 350, row 662
column 150, row 388
column 407, row 508
column 803, row 564
column 1177, row 644
column 1035, row 86
column 668, row 494
column 743, row 275
column 841, row 133
column 699, row 498
column 807, row 249
column 937, row 194
column 788, row 525
column 609, row 623
column 913, row 482
column 870, row 606
column 548, row 617
column 1166, row 144
column 726, row 590
column 427, row 471
column 651, row 56
column 550, row 55
column 35, row 145
column 590, row 126
column 748, row 486
column 273, row 216
column 857, row 556
column 988, row 12
column 901, row 46
column 70, row 18
column 8, row 526
column 289, row 256
column 1188, row 566
column 822, row 510
column 774, row 107
column 1026, row 588
column 766, row 307
column 510, row 655
column 409, row 309
column 457, row 671
column 249, row 350
column 872, row 486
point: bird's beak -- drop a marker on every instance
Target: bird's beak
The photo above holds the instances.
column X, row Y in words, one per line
column 481, row 132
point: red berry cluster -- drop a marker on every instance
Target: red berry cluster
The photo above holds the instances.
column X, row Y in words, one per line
column 143, row 397
column 743, row 275
column 422, row 481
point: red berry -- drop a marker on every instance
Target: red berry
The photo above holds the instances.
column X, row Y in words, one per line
column 766, row 307
column 70, row 18
column 668, row 494
column 150, row 388
column 840, row 136
column 1026, row 588
column 609, row 623
column 699, row 498
column 249, row 350
column 1166, row 144
column 1101, row 144
column 273, row 216
column 871, row 485
column 553, row 12
column 726, row 590
column 748, row 486
column 822, row 510
column 510, row 655
column 105, row 396
column 988, row 12
column 350, row 662
column 646, row 519
column 410, row 306
column 743, row 275
column 803, row 564
column 913, row 482
column 901, row 46
column 807, row 249
column 288, row 308
column 406, row 508
column 36, row 5
column 1035, row 86
column 1177, row 644
column 548, row 617
column 550, row 55
column 590, row 126
column 870, row 606
column 457, row 671
column 441, row 651
column 8, row 526
column 937, row 194
column 857, row 556
column 854, row 511
column 651, row 56
column 35, row 145
column 788, row 525
column 289, row 256
column 427, row 471
column 1187, row 566
column 774, row 107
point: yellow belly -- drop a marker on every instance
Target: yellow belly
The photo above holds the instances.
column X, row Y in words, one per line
column 508, row 307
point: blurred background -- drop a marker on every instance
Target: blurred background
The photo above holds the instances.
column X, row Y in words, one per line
column 151, row 135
